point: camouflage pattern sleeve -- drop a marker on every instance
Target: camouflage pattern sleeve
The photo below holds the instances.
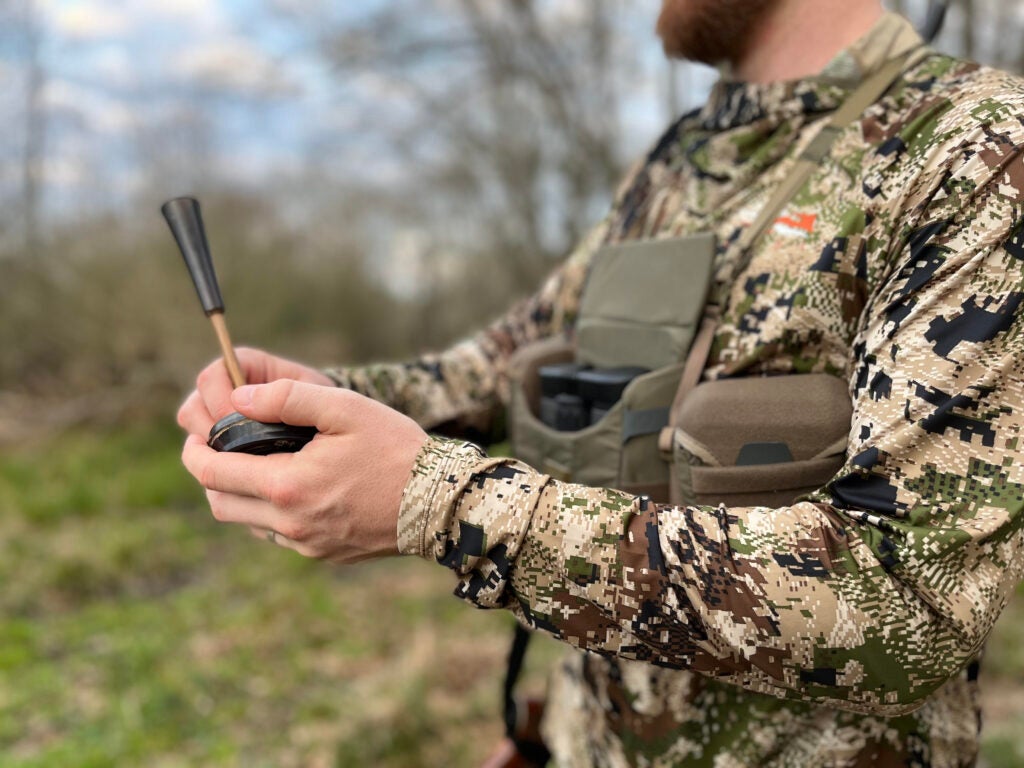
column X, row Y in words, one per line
column 867, row 595
column 465, row 387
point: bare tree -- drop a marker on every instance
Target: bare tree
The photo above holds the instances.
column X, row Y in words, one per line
column 509, row 127
column 35, row 126
column 22, row 35
column 967, row 31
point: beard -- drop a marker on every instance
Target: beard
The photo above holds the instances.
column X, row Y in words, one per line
column 710, row 31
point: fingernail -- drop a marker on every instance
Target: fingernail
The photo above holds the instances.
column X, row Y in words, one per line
column 243, row 395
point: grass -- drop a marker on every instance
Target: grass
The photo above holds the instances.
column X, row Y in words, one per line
column 137, row 631
column 134, row 630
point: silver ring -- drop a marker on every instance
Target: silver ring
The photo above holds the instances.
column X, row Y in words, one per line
column 272, row 536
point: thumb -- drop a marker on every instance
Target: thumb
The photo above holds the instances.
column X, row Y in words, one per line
column 291, row 402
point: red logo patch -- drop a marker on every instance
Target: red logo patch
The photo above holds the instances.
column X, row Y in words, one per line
column 804, row 221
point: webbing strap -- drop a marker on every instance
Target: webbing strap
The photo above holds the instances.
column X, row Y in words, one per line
column 530, row 750
column 640, row 423
column 516, row 654
column 698, row 356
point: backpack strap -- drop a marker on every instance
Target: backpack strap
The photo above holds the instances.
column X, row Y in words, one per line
column 866, row 94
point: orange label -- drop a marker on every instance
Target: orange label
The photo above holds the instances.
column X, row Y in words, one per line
column 804, row 221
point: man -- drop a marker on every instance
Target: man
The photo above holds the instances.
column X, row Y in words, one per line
column 843, row 629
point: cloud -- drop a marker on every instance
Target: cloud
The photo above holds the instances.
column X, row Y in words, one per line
column 93, row 110
column 570, row 12
column 112, row 66
column 94, row 20
column 235, row 66
column 64, row 172
column 87, row 20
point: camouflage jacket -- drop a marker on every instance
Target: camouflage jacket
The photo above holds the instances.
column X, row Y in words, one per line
column 842, row 630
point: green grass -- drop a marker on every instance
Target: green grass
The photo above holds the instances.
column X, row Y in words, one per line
column 135, row 630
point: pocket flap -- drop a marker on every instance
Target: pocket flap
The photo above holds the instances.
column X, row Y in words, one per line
column 809, row 414
column 643, row 300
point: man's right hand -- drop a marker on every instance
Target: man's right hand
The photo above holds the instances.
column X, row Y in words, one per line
column 211, row 399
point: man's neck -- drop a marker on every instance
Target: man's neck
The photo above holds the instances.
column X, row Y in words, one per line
column 798, row 38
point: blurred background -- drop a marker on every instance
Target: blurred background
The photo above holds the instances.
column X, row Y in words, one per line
column 376, row 178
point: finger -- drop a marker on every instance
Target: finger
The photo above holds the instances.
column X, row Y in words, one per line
column 214, row 386
column 244, row 510
column 269, row 534
column 261, row 367
column 298, row 403
column 237, row 473
column 193, row 416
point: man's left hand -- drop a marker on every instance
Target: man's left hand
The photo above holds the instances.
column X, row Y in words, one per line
column 338, row 498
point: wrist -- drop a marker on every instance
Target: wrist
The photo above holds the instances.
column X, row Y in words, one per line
column 432, row 491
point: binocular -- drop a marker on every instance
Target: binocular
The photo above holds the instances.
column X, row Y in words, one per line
column 575, row 396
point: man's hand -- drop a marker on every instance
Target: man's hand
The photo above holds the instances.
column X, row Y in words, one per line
column 211, row 399
column 338, row 498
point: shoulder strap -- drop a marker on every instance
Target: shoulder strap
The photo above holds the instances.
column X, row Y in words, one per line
column 866, row 94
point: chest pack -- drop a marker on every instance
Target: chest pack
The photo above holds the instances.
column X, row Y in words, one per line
column 638, row 317
column 621, row 403
column 615, row 409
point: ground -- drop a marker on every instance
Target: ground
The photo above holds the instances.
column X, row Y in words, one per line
column 134, row 630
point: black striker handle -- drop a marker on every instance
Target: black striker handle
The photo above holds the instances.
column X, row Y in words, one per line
column 186, row 222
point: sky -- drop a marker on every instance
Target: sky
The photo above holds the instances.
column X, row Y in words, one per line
column 144, row 92
column 119, row 74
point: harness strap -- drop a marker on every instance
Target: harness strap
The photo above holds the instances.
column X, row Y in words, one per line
column 517, row 712
column 866, row 94
column 695, row 361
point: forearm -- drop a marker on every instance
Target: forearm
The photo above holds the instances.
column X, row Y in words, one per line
column 467, row 386
column 788, row 601
column 459, row 385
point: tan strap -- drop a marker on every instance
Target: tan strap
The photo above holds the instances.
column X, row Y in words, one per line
column 696, row 359
column 866, row 94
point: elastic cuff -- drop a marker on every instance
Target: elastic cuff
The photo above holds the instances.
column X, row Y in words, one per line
column 429, row 496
